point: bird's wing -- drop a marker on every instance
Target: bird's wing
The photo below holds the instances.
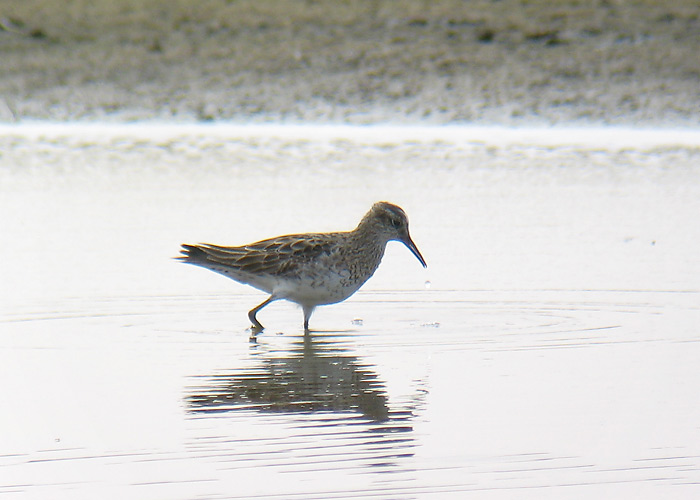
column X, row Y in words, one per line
column 276, row 256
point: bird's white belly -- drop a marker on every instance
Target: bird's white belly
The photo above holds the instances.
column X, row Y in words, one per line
column 313, row 290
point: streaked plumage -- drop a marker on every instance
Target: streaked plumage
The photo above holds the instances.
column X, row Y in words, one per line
column 309, row 269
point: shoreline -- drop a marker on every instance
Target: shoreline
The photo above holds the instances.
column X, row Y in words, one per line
column 610, row 138
column 603, row 62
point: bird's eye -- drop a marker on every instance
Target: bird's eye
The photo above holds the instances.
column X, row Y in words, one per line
column 395, row 223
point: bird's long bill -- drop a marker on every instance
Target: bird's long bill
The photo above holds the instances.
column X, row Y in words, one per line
column 414, row 249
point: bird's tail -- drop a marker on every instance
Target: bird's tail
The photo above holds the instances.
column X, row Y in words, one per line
column 192, row 254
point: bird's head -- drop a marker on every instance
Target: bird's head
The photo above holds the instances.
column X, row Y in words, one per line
column 391, row 222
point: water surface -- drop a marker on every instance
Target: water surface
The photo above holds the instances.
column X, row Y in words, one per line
column 550, row 348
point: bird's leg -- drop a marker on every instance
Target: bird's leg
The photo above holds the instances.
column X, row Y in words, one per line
column 307, row 314
column 257, row 326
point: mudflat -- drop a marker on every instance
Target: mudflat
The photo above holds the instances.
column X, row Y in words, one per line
column 508, row 62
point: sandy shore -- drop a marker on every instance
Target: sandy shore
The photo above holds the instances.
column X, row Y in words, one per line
column 507, row 62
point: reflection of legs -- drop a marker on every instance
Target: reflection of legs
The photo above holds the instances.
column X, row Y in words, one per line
column 307, row 314
column 251, row 314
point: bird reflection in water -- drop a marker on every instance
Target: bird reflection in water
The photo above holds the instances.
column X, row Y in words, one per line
column 313, row 375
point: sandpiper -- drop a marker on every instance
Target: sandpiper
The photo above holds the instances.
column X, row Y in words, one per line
column 310, row 269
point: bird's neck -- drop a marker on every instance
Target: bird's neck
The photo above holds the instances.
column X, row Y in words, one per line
column 368, row 240
column 369, row 233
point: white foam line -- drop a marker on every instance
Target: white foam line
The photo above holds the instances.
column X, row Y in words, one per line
column 607, row 138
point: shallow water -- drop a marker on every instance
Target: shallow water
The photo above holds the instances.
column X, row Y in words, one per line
column 549, row 350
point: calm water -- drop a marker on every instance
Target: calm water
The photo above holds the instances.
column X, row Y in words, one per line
column 550, row 350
